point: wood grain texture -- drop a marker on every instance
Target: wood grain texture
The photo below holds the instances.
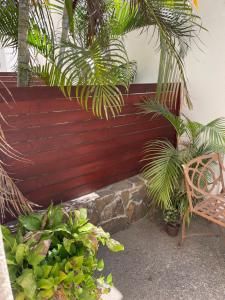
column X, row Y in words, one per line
column 71, row 152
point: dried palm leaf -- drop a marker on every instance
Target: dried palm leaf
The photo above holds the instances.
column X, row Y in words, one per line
column 12, row 200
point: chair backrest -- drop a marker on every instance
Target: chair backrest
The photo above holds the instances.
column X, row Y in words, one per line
column 202, row 176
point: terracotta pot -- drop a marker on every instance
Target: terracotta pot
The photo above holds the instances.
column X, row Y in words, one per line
column 172, row 229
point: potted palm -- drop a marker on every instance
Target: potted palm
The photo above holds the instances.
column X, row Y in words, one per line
column 163, row 169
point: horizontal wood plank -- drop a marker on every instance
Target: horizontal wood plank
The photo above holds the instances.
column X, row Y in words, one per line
column 70, row 151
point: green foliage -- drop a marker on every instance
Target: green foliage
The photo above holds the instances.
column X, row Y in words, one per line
column 53, row 256
column 172, row 216
column 94, row 57
column 163, row 168
column 95, row 72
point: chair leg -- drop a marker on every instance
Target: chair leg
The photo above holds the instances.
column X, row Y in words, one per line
column 183, row 229
column 183, row 233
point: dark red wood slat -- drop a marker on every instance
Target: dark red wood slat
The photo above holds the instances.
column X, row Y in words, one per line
column 84, row 168
column 39, row 138
column 62, row 104
column 47, row 160
column 50, row 192
column 85, row 137
column 71, row 151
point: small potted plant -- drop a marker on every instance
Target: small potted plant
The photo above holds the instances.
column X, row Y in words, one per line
column 172, row 221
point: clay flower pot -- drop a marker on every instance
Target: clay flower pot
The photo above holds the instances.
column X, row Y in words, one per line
column 172, row 229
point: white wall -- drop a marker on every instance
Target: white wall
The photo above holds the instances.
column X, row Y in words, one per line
column 2, row 61
column 142, row 47
column 7, row 60
column 206, row 70
column 205, row 66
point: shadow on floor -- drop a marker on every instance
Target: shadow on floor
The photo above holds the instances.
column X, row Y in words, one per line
column 153, row 267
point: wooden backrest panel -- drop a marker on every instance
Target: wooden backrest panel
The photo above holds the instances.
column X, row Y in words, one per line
column 203, row 176
column 71, row 152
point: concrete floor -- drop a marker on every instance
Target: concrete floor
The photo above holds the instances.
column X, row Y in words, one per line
column 153, row 267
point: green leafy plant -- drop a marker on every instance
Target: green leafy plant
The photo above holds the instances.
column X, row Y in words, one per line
column 90, row 52
column 172, row 216
column 53, row 256
column 163, row 169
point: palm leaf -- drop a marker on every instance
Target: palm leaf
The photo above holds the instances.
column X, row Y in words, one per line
column 162, row 171
column 11, row 198
column 156, row 108
column 214, row 132
column 8, row 23
column 175, row 24
column 95, row 72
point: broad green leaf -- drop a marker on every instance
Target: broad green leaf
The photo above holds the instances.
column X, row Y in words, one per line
column 114, row 246
column 55, row 269
column 28, row 283
column 9, row 239
column 100, row 265
column 46, row 284
column 69, row 278
column 46, row 270
column 79, row 278
column 39, row 253
column 77, row 262
column 46, row 294
column 31, row 222
column 55, row 216
column 68, row 267
column 67, row 244
column 11, row 262
column 86, row 228
column 86, row 295
column 20, row 296
column 62, row 276
column 109, row 279
column 20, row 253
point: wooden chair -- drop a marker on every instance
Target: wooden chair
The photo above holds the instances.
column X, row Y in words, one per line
column 205, row 189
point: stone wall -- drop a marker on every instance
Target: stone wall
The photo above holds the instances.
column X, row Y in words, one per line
column 116, row 206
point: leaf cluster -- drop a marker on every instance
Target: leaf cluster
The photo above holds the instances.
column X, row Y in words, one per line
column 54, row 256
column 92, row 55
column 163, row 161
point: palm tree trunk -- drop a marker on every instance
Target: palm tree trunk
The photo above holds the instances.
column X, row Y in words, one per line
column 65, row 30
column 23, row 50
column 65, row 25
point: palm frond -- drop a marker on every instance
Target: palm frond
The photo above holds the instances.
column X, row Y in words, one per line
column 214, row 132
column 175, row 24
column 8, row 23
column 192, row 130
column 125, row 19
column 41, row 35
column 157, row 109
column 11, row 198
column 163, row 171
column 95, row 72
